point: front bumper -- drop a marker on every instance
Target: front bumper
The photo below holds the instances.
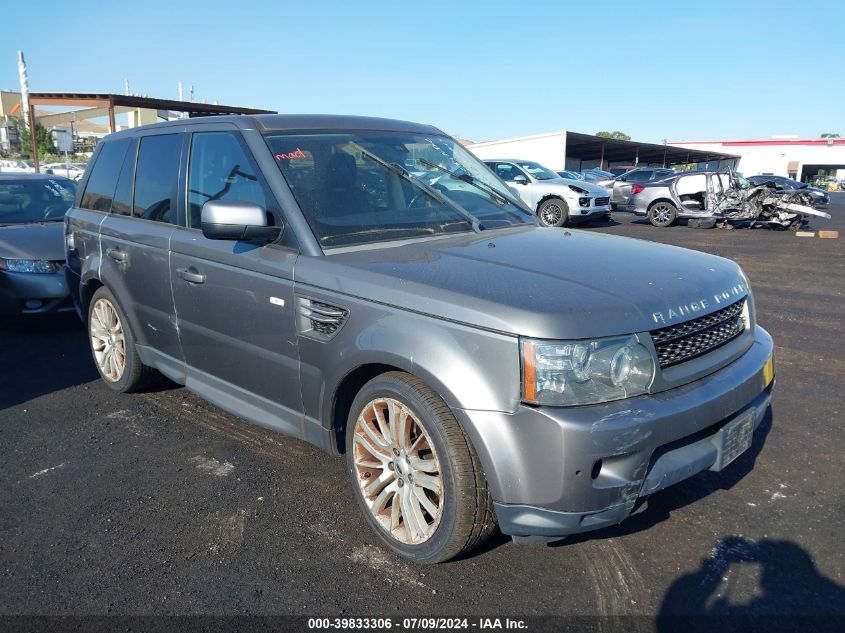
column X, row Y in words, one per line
column 559, row 471
column 27, row 294
column 579, row 212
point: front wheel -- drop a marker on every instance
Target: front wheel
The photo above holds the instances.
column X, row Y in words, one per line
column 662, row 214
column 416, row 476
column 553, row 212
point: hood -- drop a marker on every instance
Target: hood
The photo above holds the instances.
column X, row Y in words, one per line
column 33, row 241
column 592, row 188
column 545, row 283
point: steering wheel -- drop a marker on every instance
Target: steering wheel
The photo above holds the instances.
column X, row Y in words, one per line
column 54, row 210
column 421, row 195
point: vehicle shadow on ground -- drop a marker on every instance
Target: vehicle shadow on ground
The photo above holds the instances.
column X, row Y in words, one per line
column 42, row 357
column 662, row 504
column 789, row 585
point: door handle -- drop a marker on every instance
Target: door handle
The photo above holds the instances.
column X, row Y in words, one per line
column 191, row 276
column 117, row 254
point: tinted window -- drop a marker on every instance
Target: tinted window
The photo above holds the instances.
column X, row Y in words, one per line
column 101, row 184
column 507, row 172
column 155, row 178
column 122, row 202
column 639, row 176
column 220, row 170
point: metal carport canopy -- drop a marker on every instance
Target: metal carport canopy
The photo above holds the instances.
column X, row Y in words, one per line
column 588, row 147
column 99, row 104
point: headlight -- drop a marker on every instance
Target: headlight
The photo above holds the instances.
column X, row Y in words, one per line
column 568, row 373
column 578, row 190
column 28, row 265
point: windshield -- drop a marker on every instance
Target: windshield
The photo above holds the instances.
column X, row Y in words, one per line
column 35, row 200
column 537, row 171
column 363, row 186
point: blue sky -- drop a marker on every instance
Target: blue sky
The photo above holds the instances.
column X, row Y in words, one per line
column 482, row 70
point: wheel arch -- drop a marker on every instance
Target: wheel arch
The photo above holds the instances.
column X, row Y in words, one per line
column 662, row 199
column 547, row 197
column 87, row 288
column 345, row 394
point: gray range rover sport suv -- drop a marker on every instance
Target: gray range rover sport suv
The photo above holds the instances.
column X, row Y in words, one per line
column 369, row 286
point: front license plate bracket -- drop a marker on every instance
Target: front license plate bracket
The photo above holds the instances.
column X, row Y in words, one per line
column 734, row 439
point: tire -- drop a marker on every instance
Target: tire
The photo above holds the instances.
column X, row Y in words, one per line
column 389, row 476
column 553, row 212
column 108, row 328
column 662, row 213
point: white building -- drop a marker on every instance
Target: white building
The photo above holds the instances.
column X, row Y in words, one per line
column 791, row 157
column 575, row 151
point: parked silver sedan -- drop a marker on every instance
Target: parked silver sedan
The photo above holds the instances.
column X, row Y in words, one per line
column 621, row 186
column 555, row 200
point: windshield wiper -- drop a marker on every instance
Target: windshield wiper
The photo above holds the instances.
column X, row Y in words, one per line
column 478, row 184
column 431, row 191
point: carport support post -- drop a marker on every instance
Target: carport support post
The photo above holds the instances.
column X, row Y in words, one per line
column 33, row 142
column 601, row 160
column 111, row 115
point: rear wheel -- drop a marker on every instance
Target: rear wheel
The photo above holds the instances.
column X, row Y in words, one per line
column 553, row 212
column 113, row 345
column 416, row 476
column 662, row 214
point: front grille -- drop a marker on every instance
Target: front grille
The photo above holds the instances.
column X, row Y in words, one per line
column 600, row 202
column 685, row 341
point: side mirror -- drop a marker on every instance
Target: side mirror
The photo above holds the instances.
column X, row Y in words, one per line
column 236, row 220
column 521, row 179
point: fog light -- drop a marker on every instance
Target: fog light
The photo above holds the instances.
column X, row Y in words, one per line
column 33, row 304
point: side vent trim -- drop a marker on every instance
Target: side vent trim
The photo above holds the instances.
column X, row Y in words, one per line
column 319, row 320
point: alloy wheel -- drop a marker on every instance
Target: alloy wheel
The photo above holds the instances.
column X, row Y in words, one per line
column 551, row 214
column 398, row 471
column 662, row 213
column 108, row 340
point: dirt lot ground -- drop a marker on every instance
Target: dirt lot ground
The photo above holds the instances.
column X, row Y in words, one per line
column 160, row 503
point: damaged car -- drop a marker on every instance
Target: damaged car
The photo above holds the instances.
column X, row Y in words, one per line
column 712, row 197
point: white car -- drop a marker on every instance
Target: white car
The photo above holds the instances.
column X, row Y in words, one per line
column 68, row 170
column 16, row 166
column 555, row 200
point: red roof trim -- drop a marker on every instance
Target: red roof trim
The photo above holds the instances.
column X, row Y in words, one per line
column 817, row 141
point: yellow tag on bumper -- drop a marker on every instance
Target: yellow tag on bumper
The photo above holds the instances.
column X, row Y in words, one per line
column 769, row 371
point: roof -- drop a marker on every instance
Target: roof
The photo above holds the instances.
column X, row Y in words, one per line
column 300, row 123
column 590, row 147
column 131, row 101
column 522, row 138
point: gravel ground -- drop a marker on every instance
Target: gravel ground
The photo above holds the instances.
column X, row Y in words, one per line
column 159, row 503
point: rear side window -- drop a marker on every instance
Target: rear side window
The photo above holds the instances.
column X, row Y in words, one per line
column 220, row 170
column 103, row 179
column 639, row 176
column 122, row 202
column 156, row 177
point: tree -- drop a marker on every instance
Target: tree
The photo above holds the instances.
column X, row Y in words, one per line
column 615, row 134
column 43, row 140
column 829, row 135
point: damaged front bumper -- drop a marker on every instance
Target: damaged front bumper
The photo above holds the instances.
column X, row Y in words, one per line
column 553, row 472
